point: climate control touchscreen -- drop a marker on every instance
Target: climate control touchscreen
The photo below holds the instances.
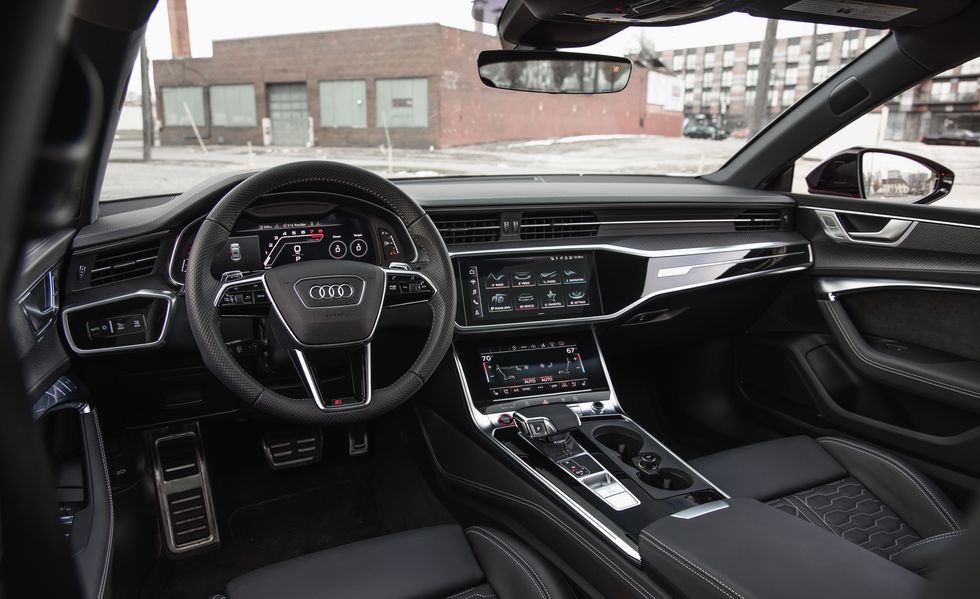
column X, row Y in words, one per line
column 513, row 289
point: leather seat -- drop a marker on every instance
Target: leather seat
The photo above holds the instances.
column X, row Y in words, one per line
column 440, row 561
column 852, row 489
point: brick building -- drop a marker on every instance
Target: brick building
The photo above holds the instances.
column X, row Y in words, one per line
column 721, row 83
column 341, row 88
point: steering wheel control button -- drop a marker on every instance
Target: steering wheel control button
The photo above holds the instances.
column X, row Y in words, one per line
column 407, row 288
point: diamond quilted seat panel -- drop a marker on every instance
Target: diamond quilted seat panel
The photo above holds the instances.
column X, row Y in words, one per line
column 849, row 509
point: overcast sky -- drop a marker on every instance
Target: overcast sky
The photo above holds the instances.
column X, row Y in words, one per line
column 225, row 19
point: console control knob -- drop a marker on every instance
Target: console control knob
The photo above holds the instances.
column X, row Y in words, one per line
column 647, row 461
column 597, row 407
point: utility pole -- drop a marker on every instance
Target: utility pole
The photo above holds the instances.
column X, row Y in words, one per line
column 758, row 114
column 813, row 57
column 147, row 103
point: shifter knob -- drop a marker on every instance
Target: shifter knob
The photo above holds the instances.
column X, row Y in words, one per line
column 547, row 420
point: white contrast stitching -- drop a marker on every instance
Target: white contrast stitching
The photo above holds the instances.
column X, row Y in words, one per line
column 936, row 503
column 684, row 561
column 531, row 574
column 939, row 537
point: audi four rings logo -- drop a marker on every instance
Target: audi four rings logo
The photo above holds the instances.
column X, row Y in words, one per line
column 337, row 291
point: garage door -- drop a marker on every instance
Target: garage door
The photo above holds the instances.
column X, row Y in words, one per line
column 289, row 113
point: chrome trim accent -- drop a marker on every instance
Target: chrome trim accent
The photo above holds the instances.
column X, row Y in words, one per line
column 237, row 282
column 360, row 296
column 892, row 234
column 511, row 326
column 50, row 278
column 700, row 510
column 833, row 287
column 625, row 250
column 916, row 219
column 313, row 387
column 683, row 270
column 485, row 425
column 149, row 293
column 201, row 477
column 173, row 253
column 666, row 221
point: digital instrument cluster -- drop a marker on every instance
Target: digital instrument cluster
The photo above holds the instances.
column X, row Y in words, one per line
column 262, row 243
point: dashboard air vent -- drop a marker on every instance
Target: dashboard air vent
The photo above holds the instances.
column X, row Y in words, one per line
column 759, row 220
column 459, row 228
column 559, row 226
column 111, row 266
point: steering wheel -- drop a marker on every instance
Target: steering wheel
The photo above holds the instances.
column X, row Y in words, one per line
column 321, row 307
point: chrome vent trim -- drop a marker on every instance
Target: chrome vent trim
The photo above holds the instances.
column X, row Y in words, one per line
column 760, row 219
column 559, row 226
column 456, row 229
column 112, row 266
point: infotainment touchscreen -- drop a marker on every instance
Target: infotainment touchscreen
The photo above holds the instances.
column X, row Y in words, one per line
column 502, row 289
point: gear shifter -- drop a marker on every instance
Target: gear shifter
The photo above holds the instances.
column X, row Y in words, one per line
column 549, row 425
column 549, row 429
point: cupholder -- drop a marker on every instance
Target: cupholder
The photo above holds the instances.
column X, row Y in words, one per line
column 667, row 479
column 621, row 440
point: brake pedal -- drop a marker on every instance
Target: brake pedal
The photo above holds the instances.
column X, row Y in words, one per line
column 292, row 447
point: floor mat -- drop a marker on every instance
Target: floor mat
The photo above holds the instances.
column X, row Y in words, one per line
column 275, row 530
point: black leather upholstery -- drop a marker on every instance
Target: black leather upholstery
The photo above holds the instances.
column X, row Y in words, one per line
column 440, row 561
column 854, row 490
column 749, row 550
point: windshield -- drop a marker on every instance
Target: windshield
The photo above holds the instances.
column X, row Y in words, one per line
column 238, row 85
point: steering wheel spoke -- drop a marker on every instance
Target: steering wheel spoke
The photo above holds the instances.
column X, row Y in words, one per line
column 343, row 385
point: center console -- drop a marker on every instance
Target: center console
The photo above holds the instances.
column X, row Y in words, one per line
column 548, row 403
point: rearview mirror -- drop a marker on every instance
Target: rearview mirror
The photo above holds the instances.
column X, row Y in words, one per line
column 877, row 174
column 553, row 72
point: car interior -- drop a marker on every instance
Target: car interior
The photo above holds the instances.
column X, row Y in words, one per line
column 549, row 386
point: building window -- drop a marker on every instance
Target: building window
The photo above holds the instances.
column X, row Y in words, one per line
column 751, row 77
column 971, row 68
column 792, row 75
column 823, row 50
column 678, row 63
column 403, row 102
column 709, row 79
column 793, row 53
column 789, row 96
column 728, row 58
column 709, row 59
column 691, row 61
column 343, row 104
column 754, row 55
column 233, row 105
column 966, row 91
column 749, row 99
column 851, row 47
column 177, row 101
column 689, row 81
column 726, row 78
column 941, row 91
column 820, row 73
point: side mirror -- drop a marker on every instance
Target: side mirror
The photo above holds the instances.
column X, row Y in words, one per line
column 877, row 174
column 553, row 72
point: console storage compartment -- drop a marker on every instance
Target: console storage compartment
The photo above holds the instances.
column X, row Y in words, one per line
column 740, row 548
